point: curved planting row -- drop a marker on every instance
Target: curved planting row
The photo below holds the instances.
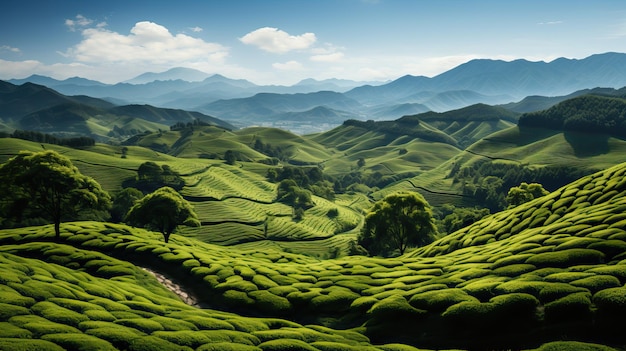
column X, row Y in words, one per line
column 240, row 210
column 105, row 304
column 220, row 183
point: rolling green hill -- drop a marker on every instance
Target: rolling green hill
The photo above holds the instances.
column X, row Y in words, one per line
column 548, row 272
column 38, row 108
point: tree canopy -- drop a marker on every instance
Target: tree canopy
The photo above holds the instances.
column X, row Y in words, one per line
column 163, row 210
column 525, row 192
column 397, row 222
column 48, row 185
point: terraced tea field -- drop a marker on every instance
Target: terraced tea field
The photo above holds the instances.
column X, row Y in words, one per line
column 549, row 272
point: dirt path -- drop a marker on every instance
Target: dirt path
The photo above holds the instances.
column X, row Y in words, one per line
column 187, row 297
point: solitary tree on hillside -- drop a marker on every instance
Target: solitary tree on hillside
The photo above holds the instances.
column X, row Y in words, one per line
column 162, row 210
column 397, row 222
column 48, row 185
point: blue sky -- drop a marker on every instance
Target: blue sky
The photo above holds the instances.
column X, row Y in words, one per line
column 282, row 42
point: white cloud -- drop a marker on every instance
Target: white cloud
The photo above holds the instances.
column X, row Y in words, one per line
column 79, row 21
column 196, row 29
column 10, row 49
column 550, row 23
column 277, row 41
column 147, row 43
column 288, row 66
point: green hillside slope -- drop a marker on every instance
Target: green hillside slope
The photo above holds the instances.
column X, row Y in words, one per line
column 551, row 270
column 235, row 203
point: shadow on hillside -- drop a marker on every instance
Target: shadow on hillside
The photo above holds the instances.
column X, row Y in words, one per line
column 587, row 144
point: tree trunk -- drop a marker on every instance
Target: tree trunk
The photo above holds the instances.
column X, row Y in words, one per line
column 166, row 236
column 57, row 229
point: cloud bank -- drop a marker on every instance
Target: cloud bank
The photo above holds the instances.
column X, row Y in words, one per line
column 147, row 42
column 277, row 41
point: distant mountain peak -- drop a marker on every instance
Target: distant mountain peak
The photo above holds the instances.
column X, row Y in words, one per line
column 176, row 73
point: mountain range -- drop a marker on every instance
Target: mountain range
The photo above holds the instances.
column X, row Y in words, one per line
column 312, row 106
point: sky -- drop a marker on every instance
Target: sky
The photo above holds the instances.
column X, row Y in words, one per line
column 283, row 42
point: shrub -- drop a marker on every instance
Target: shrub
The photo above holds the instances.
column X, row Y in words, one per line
column 265, row 335
column 514, row 270
column 566, row 258
column 337, row 301
column 597, row 282
column 79, row 342
column 7, row 311
column 572, row 345
column 8, row 330
column 208, row 323
column 150, row 343
column 145, row 325
column 263, row 282
column 58, row 314
column 183, row 337
column 573, row 307
column 174, row 324
column 118, row 336
column 29, row 345
column 286, row 345
column 247, row 325
column 440, row 300
column 395, row 308
column 268, row 302
column 554, row 291
column 227, row 346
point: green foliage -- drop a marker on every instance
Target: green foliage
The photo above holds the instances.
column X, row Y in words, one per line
column 123, row 200
column 28, row 345
column 565, row 258
column 524, row 193
column 47, row 184
column 290, row 193
column 588, row 113
column 397, row 222
column 151, row 176
column 573, row 307
column 79, row 342
column 450, row 218
column 162, row 210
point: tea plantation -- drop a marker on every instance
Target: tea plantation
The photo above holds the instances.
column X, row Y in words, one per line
column 549, row 275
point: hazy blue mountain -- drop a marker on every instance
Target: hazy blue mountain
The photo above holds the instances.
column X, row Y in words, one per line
column 177, row 73
column 266, row 106
column 517, row 78
column 333, row 84
column 51, row 82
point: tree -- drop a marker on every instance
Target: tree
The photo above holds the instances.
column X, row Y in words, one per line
column 162, row 210
column 230, row 157
column 48, row 185
column 397, row 222
column 523, row 193
column 123, row 201
column 360, row 163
